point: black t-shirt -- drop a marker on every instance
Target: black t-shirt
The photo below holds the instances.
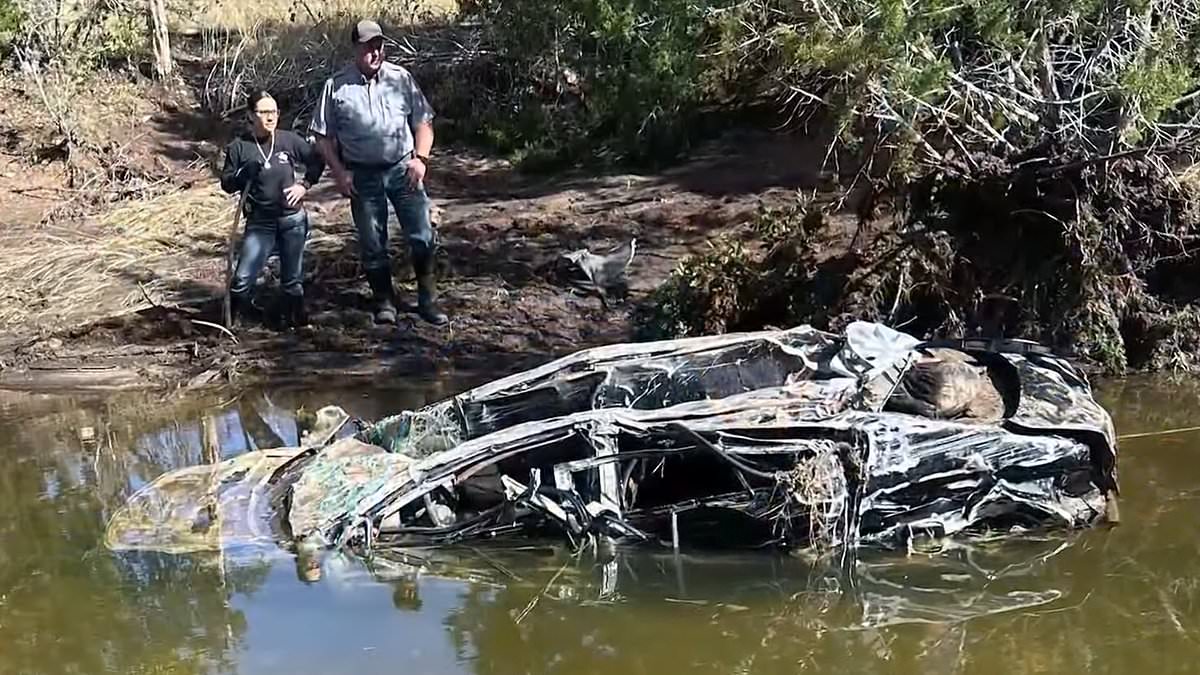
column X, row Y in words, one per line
column 264, row 170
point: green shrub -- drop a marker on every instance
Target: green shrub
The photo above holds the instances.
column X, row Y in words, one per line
column 596, row 78
column 938, row 73
column 123, row 37
column 12, row 20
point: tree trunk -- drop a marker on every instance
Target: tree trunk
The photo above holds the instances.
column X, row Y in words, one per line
column 163, row 64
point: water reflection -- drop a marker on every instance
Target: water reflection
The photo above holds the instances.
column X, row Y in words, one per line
column 542, row 610
column 69, row 605
column 1105, row 601
column 877, row 589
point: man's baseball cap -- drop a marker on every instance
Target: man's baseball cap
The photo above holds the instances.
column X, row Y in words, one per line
column 365, row 31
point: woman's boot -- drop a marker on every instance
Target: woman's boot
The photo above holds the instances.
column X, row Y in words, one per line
column 295, row 316
column 239, row 306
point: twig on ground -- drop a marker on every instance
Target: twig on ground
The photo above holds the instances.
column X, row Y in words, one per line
column 218, row 326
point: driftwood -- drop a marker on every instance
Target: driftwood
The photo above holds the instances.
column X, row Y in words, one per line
column 230, row 251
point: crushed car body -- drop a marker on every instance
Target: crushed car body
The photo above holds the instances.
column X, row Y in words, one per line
column 793, row 438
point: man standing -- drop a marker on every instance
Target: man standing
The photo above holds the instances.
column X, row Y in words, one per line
column 374, row 129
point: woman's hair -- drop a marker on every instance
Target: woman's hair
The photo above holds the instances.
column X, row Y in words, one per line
column 255, row 96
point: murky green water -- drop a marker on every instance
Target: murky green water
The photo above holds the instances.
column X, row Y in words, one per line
column 1103, row 601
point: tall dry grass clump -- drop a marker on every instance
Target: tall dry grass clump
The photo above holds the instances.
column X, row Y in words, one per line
column 244, row 18
column 289, row 48
column 163, row 250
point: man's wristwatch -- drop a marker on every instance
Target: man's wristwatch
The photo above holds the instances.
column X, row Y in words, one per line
column 424, row 158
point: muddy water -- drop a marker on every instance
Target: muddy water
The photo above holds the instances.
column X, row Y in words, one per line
column 1119, row 601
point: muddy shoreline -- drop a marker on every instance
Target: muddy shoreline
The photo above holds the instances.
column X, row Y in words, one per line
column 502, row 236
column 117, row 355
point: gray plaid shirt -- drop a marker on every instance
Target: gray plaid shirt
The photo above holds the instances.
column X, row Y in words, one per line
column 372, row 120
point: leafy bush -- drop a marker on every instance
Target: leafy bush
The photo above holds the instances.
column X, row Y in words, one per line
column 84, row 35
column 12, row 20
column 732, row 285
column 940, row 75
column 1096, row 257
column 974, row 103
column 607, row 78
column 123, row 37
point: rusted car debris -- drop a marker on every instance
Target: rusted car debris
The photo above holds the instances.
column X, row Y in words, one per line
column 784, row 438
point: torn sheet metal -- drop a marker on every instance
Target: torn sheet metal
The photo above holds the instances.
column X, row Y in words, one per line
column 639, row 376
column 203, row 508
column 342, row 474
column 850, row 478
column 793, row 438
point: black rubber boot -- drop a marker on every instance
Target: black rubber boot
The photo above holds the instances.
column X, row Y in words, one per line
column 427, row 291
column 384, row 295
column 294, row 314
column 427, row 301
column 239, row 308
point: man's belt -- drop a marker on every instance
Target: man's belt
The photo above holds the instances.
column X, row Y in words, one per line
column 378, row 166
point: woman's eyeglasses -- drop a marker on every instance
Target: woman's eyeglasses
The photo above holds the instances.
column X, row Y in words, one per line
column 266, row 113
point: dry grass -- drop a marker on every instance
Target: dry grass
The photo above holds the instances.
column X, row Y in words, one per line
column 818, row 484
column 172, row 218
column 243, row 16
column 158, row 248
column 259, row 55
column 290, row 47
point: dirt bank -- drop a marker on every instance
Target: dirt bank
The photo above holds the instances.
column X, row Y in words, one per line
column 146, row 315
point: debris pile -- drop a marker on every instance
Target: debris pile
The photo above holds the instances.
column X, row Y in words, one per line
column 789, row 438
column 1094, row 256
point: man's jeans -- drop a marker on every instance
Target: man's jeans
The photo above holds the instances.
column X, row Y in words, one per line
column 285, row 235
column 374, row 187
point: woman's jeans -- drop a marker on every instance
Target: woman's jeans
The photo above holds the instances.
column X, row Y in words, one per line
column 285, row 235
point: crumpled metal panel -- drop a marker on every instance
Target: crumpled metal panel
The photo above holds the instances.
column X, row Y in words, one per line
column 201, row 508
column 639, row 375
column 1057, row 398
column 775, row 406
column 335, row 480
column 940, row 478
column 919, row 477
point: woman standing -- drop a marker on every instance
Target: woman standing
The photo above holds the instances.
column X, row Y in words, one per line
column 262, row 162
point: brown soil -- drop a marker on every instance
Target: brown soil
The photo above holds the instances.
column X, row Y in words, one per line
column 501, row 233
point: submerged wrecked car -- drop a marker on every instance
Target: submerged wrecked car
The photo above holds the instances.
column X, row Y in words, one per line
column 783, row 438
